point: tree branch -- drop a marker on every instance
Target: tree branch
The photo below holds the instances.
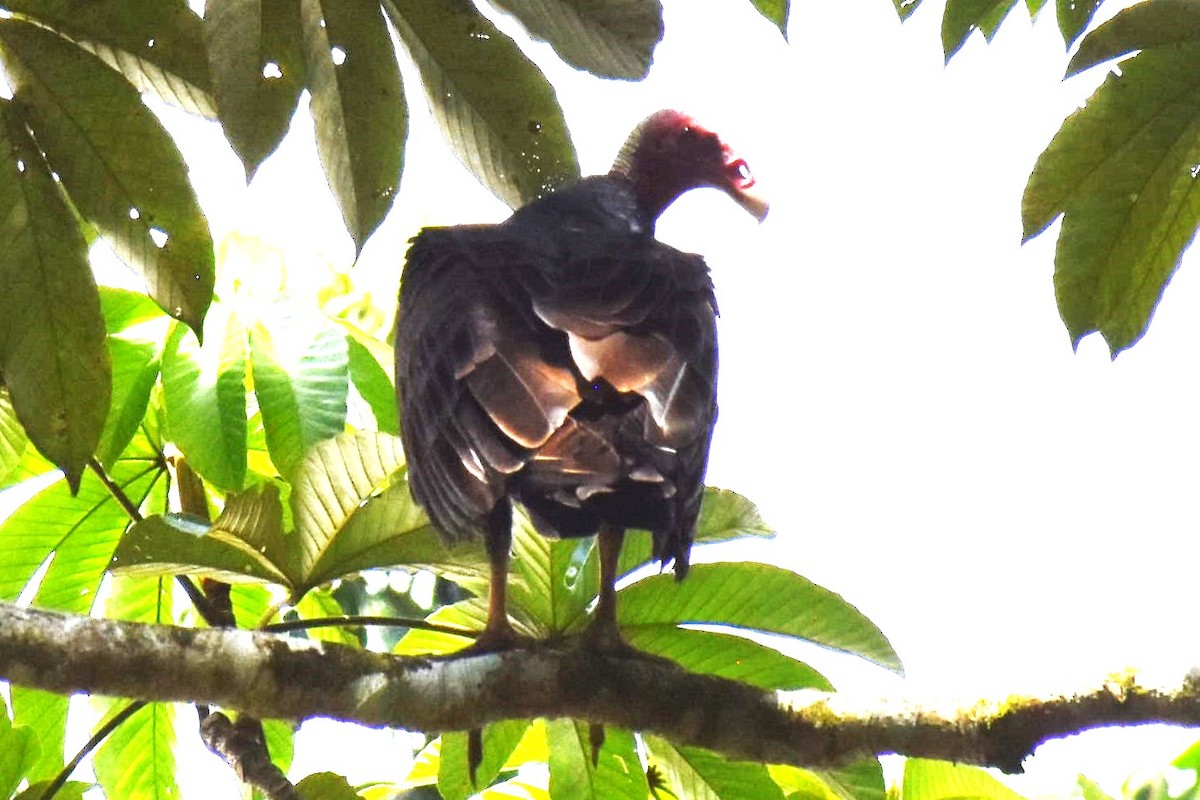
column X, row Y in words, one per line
column 275, row 677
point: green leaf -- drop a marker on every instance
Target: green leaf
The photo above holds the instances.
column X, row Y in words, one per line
column 257, row 69
column 510, row 133
column 71, row 790
column 554, row 593
column 699, row 774
column 963, row 17
column 339, row 531
column 725, row 656
column 358, row 107
column 157, row 45
column 925, row 779
column 905, row 8
column 373, row 384
column 177, row 545
column 12, row 437
column 325, row 786
column 124, row 309
column 1121, row 171
column 860, row 781
column 80, row 531
column 1074, row 16
column 280, row 736
column 321, row 604
column 1140, row 27
column 1090, row 790
column 776, row 12
column 609, row 38
column 52, row 354
column 18, row 753
column 45, row 713
column 390, row 530
column 454, row 774
column 137, row 761
column 301, row 379
column 759, row 597
column 135, row 369
column 617, row 774
column 204, row 392
column 118, row 164
column 470, row 614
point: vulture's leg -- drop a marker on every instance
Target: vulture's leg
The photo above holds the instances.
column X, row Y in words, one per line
column 499, row 633
column 603, row 631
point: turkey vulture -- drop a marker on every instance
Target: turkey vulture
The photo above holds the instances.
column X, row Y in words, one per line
column 567, row 360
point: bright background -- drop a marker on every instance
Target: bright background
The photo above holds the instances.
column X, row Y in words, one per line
column 897, row 392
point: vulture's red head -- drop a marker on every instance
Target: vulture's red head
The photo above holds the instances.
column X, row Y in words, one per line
column 669, row 153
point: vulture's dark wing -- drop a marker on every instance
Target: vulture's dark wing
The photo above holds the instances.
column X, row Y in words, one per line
column 530, row 357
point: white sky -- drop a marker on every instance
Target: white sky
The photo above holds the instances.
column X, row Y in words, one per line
column 898, row 394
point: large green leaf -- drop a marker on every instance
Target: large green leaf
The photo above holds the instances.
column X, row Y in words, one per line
column 509, row 132
column 699, row 774
column 52, row 351
column 859, row 781
column 358, row 107
column 776, row 11
column 726, row 656
column 325, row 786
column 963, row 17
column 617, row 773
column 941, row 780
column 257, row 69
column 301, row 380
column 157, row 44
column 137, row 331
column 81, row 532
column 388, row 530
column 1121, row 171
column 469, row 614
column 182, row 546
column 118, row 164
column 759, row 597
column 12, row 437
column 320, row 603
column 204, row 391
column 455, row 781
column 1074, row 16
column 554, row 592
column 609, row 38
column 1139, row 27
column 18, row 753
column 45, row 713
column 373, row 384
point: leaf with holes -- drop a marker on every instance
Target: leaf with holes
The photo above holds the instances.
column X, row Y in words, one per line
column 509, row 132
column 256, row 64
column 1122, row 171
column 358, row 107
column 158, row 45
column 117, row 162
column 52, row 351
column 609, row 38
